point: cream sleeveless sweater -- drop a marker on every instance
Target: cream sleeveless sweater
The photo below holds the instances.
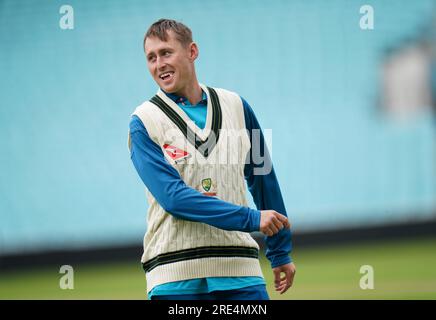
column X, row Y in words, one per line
column 210, row 160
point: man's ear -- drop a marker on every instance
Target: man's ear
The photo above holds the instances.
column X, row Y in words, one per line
column 193, row 51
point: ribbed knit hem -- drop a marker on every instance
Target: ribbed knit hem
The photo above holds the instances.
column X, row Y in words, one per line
column 202, row 268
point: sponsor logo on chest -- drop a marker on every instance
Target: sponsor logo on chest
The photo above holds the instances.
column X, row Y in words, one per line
column 175, row 153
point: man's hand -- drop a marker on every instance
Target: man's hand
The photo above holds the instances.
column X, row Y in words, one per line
column 283, row 283
column 272, row 222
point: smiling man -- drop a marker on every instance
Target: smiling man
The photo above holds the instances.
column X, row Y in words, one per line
column 198, row 243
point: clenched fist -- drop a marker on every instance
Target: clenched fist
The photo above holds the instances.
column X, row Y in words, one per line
column 272, row 222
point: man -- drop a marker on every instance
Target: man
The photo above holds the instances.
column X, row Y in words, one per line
column 198, row 245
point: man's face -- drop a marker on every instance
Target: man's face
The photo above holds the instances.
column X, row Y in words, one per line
column 170, row 63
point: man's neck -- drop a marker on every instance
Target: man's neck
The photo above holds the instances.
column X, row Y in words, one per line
column 192, row 93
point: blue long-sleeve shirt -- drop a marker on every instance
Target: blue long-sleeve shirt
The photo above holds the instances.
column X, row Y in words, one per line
column 166, row 185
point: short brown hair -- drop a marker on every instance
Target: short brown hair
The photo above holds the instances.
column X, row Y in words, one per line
column 161, row 27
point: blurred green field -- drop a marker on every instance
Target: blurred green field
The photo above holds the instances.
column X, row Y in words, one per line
column 403, row 269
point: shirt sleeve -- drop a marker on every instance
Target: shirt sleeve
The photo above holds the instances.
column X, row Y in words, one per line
column 178, row 199
column 264, row 187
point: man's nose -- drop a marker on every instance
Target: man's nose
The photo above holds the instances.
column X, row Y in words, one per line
column 160, row 63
